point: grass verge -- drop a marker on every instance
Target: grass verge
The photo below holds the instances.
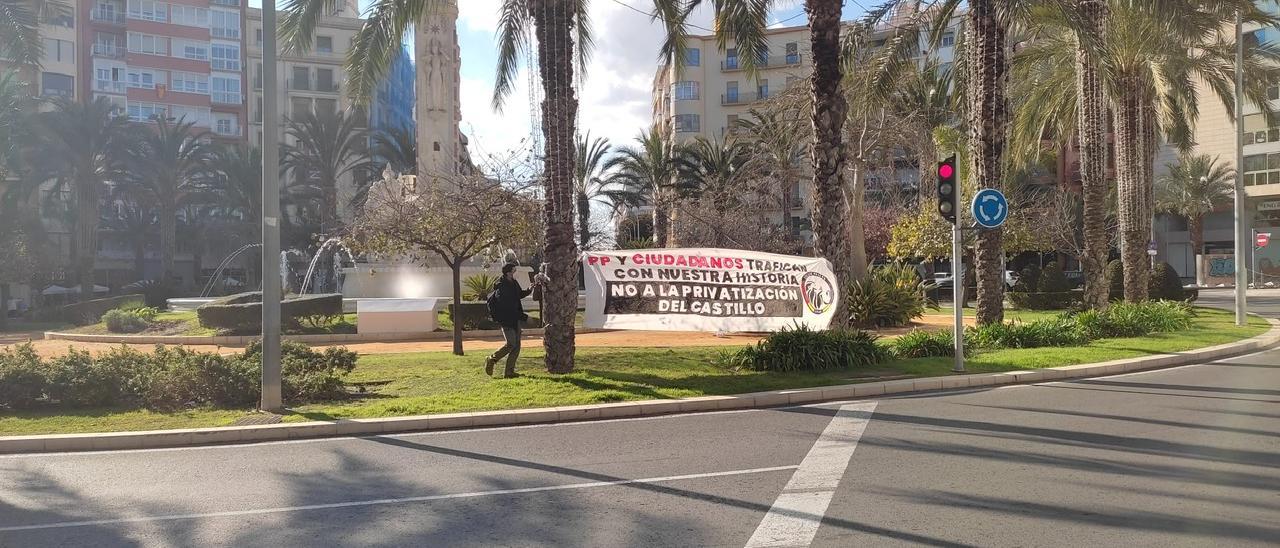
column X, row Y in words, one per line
column 437, row 382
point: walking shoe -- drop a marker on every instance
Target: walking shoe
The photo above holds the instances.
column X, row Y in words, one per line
column 488, row 366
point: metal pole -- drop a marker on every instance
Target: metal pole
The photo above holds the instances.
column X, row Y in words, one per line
column 1242, row 277
column 1253, row 244
column 271, row 290
column 957, row 295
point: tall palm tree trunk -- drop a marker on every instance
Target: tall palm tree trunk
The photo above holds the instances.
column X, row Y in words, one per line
column 927, row 166
column 139, row 258
column 584, row 221
column 168, row 241
column 86, row 237
column 1195, row 224
column 1092, row 109
column 553, row 24
column 830, row 204
column 1131, row 153
column 661, row 223
column 988, row 129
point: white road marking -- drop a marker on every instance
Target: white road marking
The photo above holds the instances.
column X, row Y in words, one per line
column 795, row 516
column 380, row 502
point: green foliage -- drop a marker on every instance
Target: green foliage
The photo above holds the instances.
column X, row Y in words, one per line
column 1164, row 283
column 1115, row 280
column 1059, row 300
column 90, row 312
column 1059, row 331
column 22, row 377
column 1052, row 280
column 924, row 344
column 472, row 316
column 1028, row 279
column 803, row 349
column 307, row 375
column 479, row 286
column 1134, row 320
column 243, row 312
column 642, row 243
column 891, row 296
column 78, row 380
column 133, row 320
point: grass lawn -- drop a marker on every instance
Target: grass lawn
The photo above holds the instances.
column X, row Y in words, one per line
column 186, row 324
column 437, row 382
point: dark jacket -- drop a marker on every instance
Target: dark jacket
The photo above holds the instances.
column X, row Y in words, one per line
column 507, row 310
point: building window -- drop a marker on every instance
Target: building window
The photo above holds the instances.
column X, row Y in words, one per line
column 762, row 89
column 688, row 123
column 61, row 51
column 145, row 79
column 146, row 43
column 731, row 123
column 324, row 80
column 190, row 16
column 53, row 84
column 62, row 20
column 188, row 49
column 225, row 24
column 232, row 3
column 301, row 78
column 731, row 58
column 324, row 44
column 326, row 106
column 190, row 82
column 142, row 112
column 1273, row 93
column 299, row 107
column 948, row 39
column 693, row 57
column 148, row 10
column 257, row 33
column 226, row 89
column 687, row 91
column 793, row 53
column 225, row 123
column 225, row 57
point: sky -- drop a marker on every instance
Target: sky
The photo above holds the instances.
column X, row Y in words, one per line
column 614, row 100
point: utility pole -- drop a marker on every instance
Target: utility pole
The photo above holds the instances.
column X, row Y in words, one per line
column 271, row 290
column 948, row 208
column 1242, row 274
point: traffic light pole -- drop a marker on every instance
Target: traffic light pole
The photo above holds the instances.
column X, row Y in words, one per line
column 957, row 295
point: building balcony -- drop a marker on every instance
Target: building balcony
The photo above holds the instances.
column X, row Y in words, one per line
column 773, row 61
column 111, row 17
column 109, row 86
column 226, row 97
column 741, row 98
column 232, row 3
column 108, row 51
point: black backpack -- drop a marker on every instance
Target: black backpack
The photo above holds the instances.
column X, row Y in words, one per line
column 494, row 304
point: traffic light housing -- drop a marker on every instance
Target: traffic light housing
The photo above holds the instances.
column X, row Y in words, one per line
column 948, row 190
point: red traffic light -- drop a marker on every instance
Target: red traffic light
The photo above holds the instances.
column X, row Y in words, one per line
column 946, row 171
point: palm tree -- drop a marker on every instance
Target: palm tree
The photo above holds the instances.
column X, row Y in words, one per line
column 779, row 135
column 396, row 147
column 170, row 157
column 82, row 148
column 590, row 183
column 234, row 181
column 717, row 172
column 20, row 20
column 1196, row 186
column 326, row 148
column 1151, row 58
column 133, row 221
column 921, row 101
column 14, row 105
column 649, row 174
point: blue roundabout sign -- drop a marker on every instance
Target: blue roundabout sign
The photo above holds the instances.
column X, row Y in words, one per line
column 990, row 208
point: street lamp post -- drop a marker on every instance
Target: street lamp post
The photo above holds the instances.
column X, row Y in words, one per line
column 271, row 290
column 1242, row 274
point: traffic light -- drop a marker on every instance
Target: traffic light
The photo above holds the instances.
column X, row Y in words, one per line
column 948, row 190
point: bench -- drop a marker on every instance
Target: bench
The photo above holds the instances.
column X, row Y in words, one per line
column 397, row 315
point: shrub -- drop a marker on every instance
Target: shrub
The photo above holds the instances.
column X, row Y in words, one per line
column 1059, row 331
column 129, row 321
column 1028, row 279
column 1134, row 320
column 1164, row 283
column 479, row 286
column 803, row 349
column 925, row 344
column 1052, row 280
column 243, row 312
column 78, row 380
column 22, row 377
column 890, row 296
column 1044, row 301
column 316, row 310
column 1115, row 280
column 307, row 374
column 90, row 312
column 472, row 316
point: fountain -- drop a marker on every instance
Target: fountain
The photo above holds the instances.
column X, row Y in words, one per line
column 337, row 263
column 223, row 266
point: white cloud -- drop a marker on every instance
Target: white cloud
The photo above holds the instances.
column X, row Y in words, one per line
column 479, row 15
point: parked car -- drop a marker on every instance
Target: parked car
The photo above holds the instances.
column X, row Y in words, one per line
column 943, row 279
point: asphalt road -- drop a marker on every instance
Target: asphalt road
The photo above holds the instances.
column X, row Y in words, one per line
column 1264, row 302
column 1180, row 457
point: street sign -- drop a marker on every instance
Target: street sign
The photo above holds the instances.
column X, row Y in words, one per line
column 1152, row 250
column 1263, row 238
column 990, row 208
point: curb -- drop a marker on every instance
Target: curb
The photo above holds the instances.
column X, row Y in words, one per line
column 352, row 427
column 241, row 340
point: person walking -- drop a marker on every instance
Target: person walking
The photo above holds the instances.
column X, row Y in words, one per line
column 506, row 310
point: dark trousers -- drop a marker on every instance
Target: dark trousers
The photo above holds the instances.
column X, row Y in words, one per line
column 511, row 350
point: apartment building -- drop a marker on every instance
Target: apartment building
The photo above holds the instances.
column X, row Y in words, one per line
column 182, row 59
column 392, row 105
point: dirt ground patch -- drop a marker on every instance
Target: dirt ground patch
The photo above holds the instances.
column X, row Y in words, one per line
column 651, row 339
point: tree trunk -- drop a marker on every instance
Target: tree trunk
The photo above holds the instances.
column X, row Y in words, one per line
column 1092, row 109
column 827, row 153
column 1130, row 177
column 456, row 267
column 168, row 241
column 857, row 235
column 140, row 258
column 86, row 236
column 988, row 126
column 1196, row 225
column 584, row 221
column 661, row 223
column 553, row 26
column 4, row 306
column 927, row 158
column 197, row 267
column 787, row 226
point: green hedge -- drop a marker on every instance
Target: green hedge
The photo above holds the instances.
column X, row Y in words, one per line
column 472, row 316
column 166, row 379
column 243, row 312
column 90, row 312
column 803, row 349
column 1058, row 300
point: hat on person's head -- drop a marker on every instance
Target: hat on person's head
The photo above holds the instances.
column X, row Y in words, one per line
column 508, row 268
